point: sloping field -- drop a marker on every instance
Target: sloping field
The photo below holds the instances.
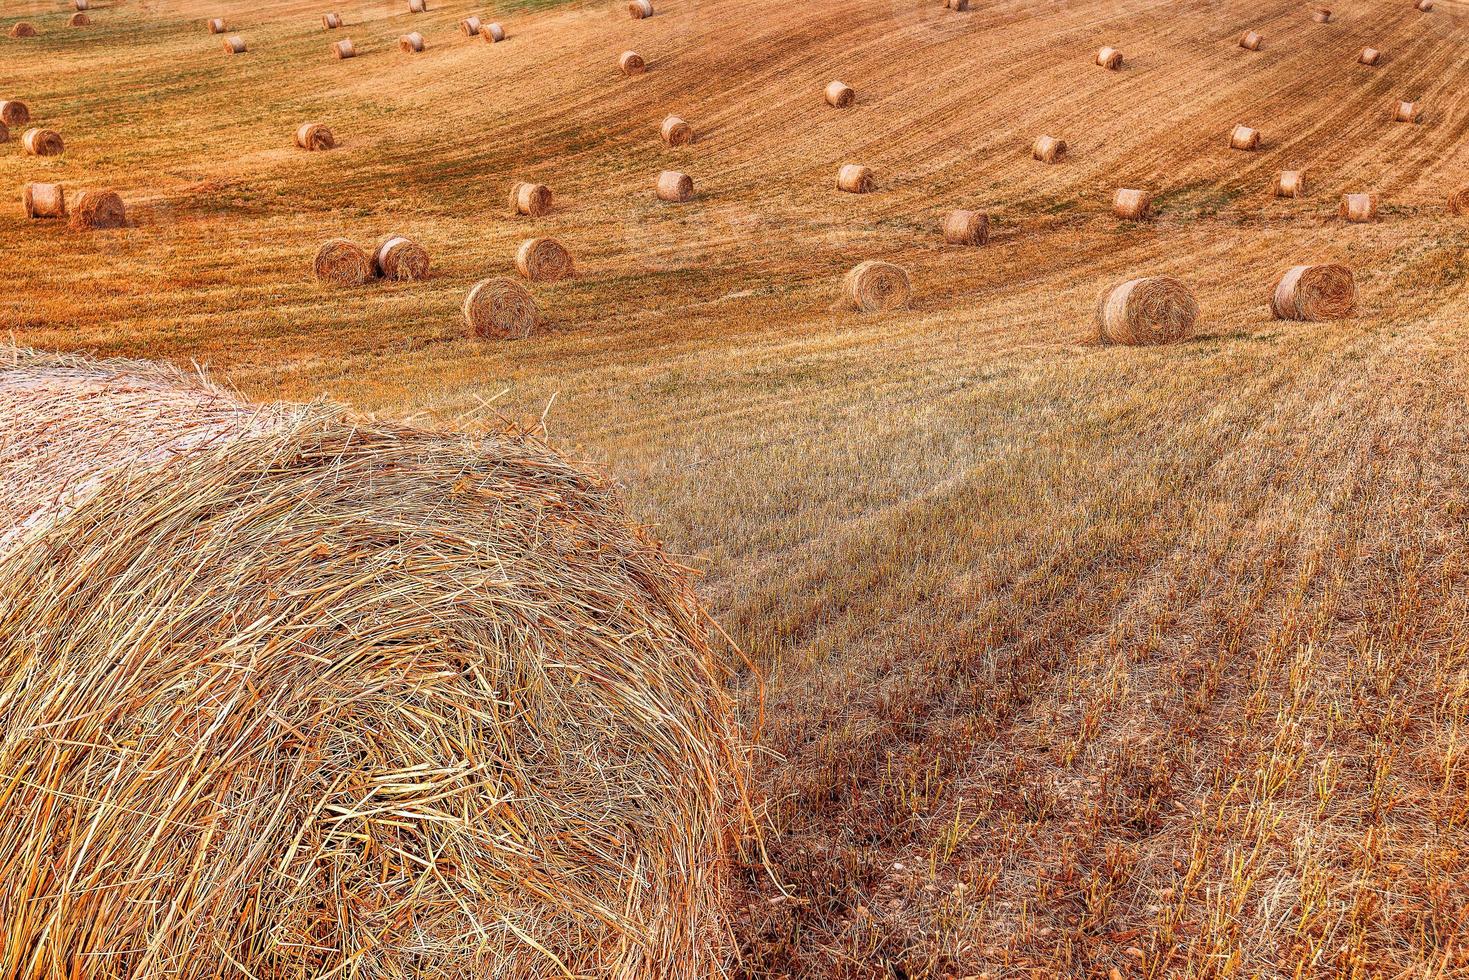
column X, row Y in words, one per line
column 1077, row 658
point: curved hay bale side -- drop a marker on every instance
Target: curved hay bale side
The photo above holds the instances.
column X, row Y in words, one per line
column 399, row 258
column 1048, row 149
column 966, row 228
column 675, row 187
column 342, row 263
column 469, row 27
column 1314, row 292
column 216, row 25
column 411, row 43
column 1110, row 59
column 532, row 200
column 44, row 200
column 491, row 33
column 876, row 287
column 1290, row 183
column 1459, row 200
column 344, row 49
column 98, row 209
column 632, row 63
column 1407, row 112
column 1152, row 310
column 314, row 137
column 331, row 21
column 499, row 308
column 1244, row 138
column 676, row 132
column 14, row 112
column 43, row 143
column 1132, row 205
column 640, row 9
column 1252, row 41
column 544, row 260
column 1358, row 208
column 839, row 95
column 853, row 178
column 335, row 697
column 79, row 19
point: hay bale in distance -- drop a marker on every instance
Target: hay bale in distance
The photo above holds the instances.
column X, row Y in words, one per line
column 411, row 43
column 23, row 29
column 469, row 26
column 1321, row 15
column 453, row 604
column 94, row 210
column 79, row 19
column 43, row 143
column 532, row 200
column 1425, row 5
column 1407, row 112
column 1290, row 183
column 491, row 33
column 1369, row 57
column 853, row 178
column 877, row 287
column 1132, row 205
column 499, row 308
column 344, row 49
column 675, row 187
column 342, row 263
column 331, row 21
column 958, row 6
column 399, row 258
column 417, row 6
column 676, row 132
column 1049, row 149
column 544, row 260
column 1358, row 208
column 44, row 200
column 1244, row 138
column 639, row 9
column 234, row 44
column 839, row 95
column 314, row 136
column 632, row 63
column 1151, row 310
column 13, row 112
column 966, row 228
column 1110, row 59
column 1252, row 41
column 1314, row 292
column 216, row 25
column 1459, row 200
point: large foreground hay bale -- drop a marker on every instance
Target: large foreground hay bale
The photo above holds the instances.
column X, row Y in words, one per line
column 1244, row 138
column 532, row 200
column 14, row 112
column 876, row 287
column 400, row 258
column 855, row 179
column 344, row 49
column 1048, row 149
column 291, row 695
column 675, row 187
column 79, row 19
column 499, row 308
column 331, row 21
column 1110, row 59
column 1314, row 292
column 544, row 260
column 216, row 25
column 44, row 200
column 1154, row 310
column 314, row 136
column 1290, row 183
column 839, row 95
column 95, row 209
column 1358, row 208
column 1251, row 41
column 632, row 63
column 1132, row 205
column 43, row 143
column 676, row 132
column 966, row 228
column 1459, row 200
column 23, row 29
column 342, row 263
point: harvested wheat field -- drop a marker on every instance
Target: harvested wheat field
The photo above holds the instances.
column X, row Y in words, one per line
column 1045, row 652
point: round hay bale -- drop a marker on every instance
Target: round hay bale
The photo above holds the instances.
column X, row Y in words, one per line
column 79, row 19
column 417, row 6
column 344, row 49
column 331, row 21
column 500, row 308
column 13, row 112
column 855, row 179
column 1048, row 149
column 44, row 201
column 1244, row 138
column 839, row 95
column 313, row 685
column 1425, row 5
column 469, row 26
column 1459, row 200
column 1369, row 57
column 1407, row 112
column 234, row 44
column 958, row 6
column 93, row 210
column 43, row 143
column 638, row 9
column 1110, row 59
column 1152, row 310
column 632, row 63
column 966, row 228
column 1359, row 208
column 1290, row 183
column 399, row 258
column 216, row 25
column 22, row 29
column 1252, row 41
column 1132, row 205
column 411, row 43
column 1314, row 292
column 532, row 200
column 675, row 187
column 877, row 287
column 342, row 263
column 1321, row 15
column 544, row 260
column 314, row 136
column 81, row 5
column 676, row 132
column 492, row 33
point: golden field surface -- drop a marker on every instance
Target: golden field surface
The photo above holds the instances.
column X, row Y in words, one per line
column 1078, row 660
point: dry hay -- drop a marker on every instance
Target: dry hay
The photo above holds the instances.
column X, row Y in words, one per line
column 1425, row 5
column 331, row 21
column 411, row 43
column 216, row 25
column 314, row 136
column 13, row 112
column 469, row 26
column 544, row 260
column 44, row 200
column 1290, row 183
column 1358, row 208
column 299, row 695
column 1321, row 15
column 675, row 187
column 342, row 263
column 43, row 143
column 632, row 63
column 1407, row 112
column 400, row 258
column 1369, row 57
column 1252, row 41
column 1314, row 292
column 491, row 33
column 1153, row 310
column 417, row 6
column 93, row 210
column 234, row 45
column 79, row 19
column 1048, row 149
column 1110, row 59
column 499, row 308
column 1244, row 138
column 966, row 228
column 839, row 95
column 876, row 287
column 4, row 133
column 81, row 5
column 529, row 199
column 638, row 9
column 344, row 49
column 1459, row 200
column 855, row 179
column 22, row 29
column 1132, row 205
column 676, row 132
column 958, row 6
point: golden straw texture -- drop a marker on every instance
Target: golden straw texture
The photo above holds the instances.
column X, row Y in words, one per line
column 97, row 209
column 632, row 63
column 1110, row 59
column 529, row 199
column 676, row 132
column 876, row 287
column 411, row 43
column 13, row 112
column 79, row 19
column 1244, row 138
column 1459, row 200
column 1358, row 208
column 855, row 179
column 1290, row 183
column 638, row 9
column 342, row 263
column 1048, row 149
column 234, row 45
column 331, row 21
column 500, row 308
column 23, row 29
column 216, row 25
column 1155, row 310
column 43, row 143
column 1314, row 292
column 544, row 260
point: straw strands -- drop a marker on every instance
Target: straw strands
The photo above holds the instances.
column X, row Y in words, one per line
column 314, row 136
column 1048, row 149
column 1314, row 292
column 1252, row 41
column 839, row 95
column 532, row 200
column 966, row 228
column 491, row 33
column 853, row 178
column 544, row 260
column 500, row 308
column 44, row 200
column 310, row 696
column 632, row 63
column 417, row 6
column 43, row 142
column 1289, row 183
column 1369, row 57
column 1132, row 205
column 23, row 29
column 1358, row 208
column 1244, row 138
column 79, row 19
column 877, row 287
column 216, row 25
column 94, row 210
column 342, row 263
column 13, row 112
column 1110, row 59
column 1153, row 310
column 675, row 187
column 676, row 132
column 400, row 258
column 331, row 21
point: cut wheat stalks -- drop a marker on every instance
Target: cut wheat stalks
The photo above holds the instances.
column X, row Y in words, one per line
column 1244, row 138
column 79, row 20
column 23, row 29
column 1407, row 112
column 400, row 258
column 1110, row 59
column 44, row 201
column 1358, row 208
column 1153, row 310
column 344, row 49
column 500, row 308
column 532, row 200
column 676, row 132
column 854, row 178
column 839, row 95
column 491, row 33
column 411, row 43
column 13, row 112
column 273, row 672
column 966, row 228
column 876, row 287
column 1459, row 200
column 544, row 260
column 1369, row 57
column 1314, row 292
column 234, row 44
column 1048, row 149
column 216, row 25
column 1252, row 41
column 1289, row 183
column 342, row 263
column 1132, row 205
column 632, row 63
column 417, row 6
column 95, row 210
column 1321, row 15
column 675, row 187
column 469, row 26
column 43, row 143
column 331, row 21
column 639, row 9
column 314, row 136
